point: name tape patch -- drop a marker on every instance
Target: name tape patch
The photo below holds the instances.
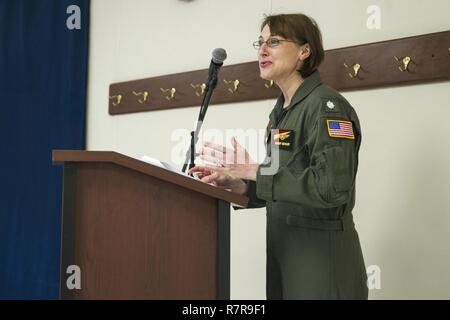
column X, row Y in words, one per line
column 283, row 138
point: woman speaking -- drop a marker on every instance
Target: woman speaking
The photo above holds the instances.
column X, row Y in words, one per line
column 307, row 181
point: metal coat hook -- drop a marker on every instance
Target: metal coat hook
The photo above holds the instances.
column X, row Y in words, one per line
column 356, row 68
column 171, row 92
column 406, row 61
column 269, row 84
column 144, row 95
column 116, row 100
column 235, row 85
column 201, row 86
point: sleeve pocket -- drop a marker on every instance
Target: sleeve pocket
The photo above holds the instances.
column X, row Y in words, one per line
column 339, row 172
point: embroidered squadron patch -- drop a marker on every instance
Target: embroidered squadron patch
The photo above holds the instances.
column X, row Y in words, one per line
column 283, row 138
column 340, row 129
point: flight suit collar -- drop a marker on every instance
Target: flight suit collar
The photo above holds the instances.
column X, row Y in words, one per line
column 308, row 85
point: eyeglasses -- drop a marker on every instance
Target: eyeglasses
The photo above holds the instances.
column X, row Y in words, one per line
column 271, row 42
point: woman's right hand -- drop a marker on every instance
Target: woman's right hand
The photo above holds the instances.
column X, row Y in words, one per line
column 218, row 178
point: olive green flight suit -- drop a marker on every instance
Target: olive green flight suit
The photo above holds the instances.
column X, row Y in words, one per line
column 307, row 183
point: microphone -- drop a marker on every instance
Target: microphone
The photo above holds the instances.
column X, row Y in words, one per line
column 218, row 57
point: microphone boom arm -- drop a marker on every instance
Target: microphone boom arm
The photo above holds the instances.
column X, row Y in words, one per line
column 190, row 153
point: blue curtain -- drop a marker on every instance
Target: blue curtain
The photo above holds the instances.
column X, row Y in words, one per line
column 43, row 77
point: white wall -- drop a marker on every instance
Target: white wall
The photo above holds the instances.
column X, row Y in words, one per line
column 402, row 211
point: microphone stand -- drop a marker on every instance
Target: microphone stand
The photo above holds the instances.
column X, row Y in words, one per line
column 190, row 153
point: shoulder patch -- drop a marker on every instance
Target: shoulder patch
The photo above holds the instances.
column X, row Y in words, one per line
column 340, row 129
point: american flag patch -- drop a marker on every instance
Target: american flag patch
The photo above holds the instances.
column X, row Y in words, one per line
column 340, row 129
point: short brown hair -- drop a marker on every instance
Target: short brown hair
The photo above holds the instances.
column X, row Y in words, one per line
column 302, row 29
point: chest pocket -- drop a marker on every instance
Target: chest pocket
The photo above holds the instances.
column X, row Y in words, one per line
column 281, row 143
column 299, row 160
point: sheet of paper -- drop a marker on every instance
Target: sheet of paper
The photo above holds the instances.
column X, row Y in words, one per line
column 165, row 165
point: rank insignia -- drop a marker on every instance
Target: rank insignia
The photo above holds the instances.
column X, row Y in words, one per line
column 331, row 107
column 330, row 104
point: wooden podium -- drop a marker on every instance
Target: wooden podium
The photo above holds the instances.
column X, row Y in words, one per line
column 138, row 231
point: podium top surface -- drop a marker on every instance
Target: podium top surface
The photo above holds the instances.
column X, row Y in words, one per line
column 63, row 156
